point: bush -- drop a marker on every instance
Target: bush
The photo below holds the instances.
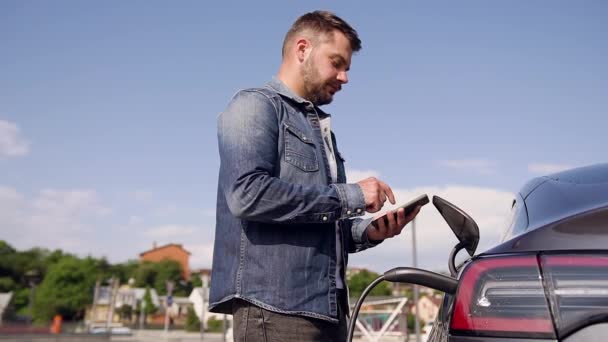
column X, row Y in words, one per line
column 192, row 321
column 411, row 322
column 214, row 325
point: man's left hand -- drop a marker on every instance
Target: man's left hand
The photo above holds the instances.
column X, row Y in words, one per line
column 378, row 230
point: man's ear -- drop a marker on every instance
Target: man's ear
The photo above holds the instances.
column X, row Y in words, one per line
column 303, row 48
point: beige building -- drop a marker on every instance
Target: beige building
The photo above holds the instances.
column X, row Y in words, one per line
column 428, row 307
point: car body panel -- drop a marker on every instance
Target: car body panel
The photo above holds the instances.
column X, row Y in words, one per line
column 566, row 212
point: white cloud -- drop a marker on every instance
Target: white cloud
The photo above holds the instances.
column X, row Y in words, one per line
column 135, row 220
column 77, row 222
column 488, row 207
column 545, row 168
column 480, row 166
column 208, row 212
column 356, row 175
column 171, row 231
column 52, row 218
column 11, row 142
column 12, row 205
column 202, row 254
column 73, row 220
column 165, row 211
column 142, row 195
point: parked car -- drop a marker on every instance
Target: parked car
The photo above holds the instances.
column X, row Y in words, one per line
column 113, row 331
column 547, row 280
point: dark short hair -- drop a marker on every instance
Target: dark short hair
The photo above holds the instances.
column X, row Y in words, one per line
column 323, row 22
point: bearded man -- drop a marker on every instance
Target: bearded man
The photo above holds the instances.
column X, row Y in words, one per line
column 286, row 217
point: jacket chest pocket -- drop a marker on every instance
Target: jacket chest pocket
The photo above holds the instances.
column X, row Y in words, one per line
column 300, row 150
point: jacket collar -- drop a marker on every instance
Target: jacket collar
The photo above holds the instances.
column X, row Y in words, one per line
column 280, row 87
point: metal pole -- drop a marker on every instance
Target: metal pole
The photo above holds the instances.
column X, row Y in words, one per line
column 225, row 328
column 415, row 262
column 32, row 276
column 111, row 302
column 142, row 309
column 31, row 303
column 205, row 284
column 168, row 303
column 94, row 308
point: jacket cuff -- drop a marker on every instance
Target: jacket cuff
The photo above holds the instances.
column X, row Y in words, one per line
column 359, row 233
column 351, row 200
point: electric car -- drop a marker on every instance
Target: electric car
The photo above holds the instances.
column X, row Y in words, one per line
column 547, row 280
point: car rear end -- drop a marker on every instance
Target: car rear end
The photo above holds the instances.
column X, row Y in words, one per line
column 550, row 283
column 538, row 296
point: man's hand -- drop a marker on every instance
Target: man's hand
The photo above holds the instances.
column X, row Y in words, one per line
column 378, row 230
column 375, row 192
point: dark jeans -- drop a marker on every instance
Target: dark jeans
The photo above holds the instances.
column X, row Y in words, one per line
column 254, row 324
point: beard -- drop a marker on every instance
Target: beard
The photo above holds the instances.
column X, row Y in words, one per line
column 314, row 86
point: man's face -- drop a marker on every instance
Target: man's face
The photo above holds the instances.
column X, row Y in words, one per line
column 324, row 71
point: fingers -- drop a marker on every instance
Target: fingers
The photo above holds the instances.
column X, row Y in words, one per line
column 412, row 215
column 385, row 189
column 382, row 226
column 391, row 224
column 381, row 197
column 375, row 193
column 393, row 227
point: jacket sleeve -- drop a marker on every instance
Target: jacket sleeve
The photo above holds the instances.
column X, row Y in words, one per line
column 355, row 235
column 248, row 136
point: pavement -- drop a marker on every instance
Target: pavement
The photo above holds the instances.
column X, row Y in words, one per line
column 148, row 336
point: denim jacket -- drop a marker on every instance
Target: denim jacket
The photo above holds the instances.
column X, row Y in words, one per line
column 277, row 207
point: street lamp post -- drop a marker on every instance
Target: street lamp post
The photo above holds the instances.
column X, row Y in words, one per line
column 113, row 287
column 205, row 284
column 415, row 262
column 32, row 277
column 168, row 303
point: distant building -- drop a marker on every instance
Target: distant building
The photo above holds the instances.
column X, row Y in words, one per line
column 171, row 251
column 132, row 297
column 401, row 289
column 178, row 310
column 201, row 273
column 428, row 307
column 6, row 309
column 199, row 297
column 351, row 271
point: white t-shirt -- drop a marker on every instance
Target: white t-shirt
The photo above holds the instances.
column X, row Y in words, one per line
column 325, row 125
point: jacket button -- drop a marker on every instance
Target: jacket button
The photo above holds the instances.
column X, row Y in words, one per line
column 324, row 218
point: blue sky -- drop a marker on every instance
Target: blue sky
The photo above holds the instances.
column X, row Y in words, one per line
column 107, row 111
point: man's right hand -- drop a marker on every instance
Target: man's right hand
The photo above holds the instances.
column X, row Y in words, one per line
column 375, row 192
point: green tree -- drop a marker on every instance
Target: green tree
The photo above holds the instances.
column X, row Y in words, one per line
column 156, row 275
column 359, row 281
column 125, row 271
column 66, row 289
column 145, row 274
column 196, row 282
column 192, row 321
column 411, row 322
column 166, row 270
column 214, row 325
column 7, row 284
column 125, row 312
column 149, row 307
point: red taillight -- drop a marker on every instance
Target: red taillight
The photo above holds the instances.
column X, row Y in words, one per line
column 502, row 296
column 577, row 289
column 531, row 296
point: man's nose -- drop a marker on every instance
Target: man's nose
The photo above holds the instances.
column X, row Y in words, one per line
column 343, row 77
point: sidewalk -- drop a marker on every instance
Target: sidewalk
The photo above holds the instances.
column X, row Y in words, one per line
column 172, row 336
